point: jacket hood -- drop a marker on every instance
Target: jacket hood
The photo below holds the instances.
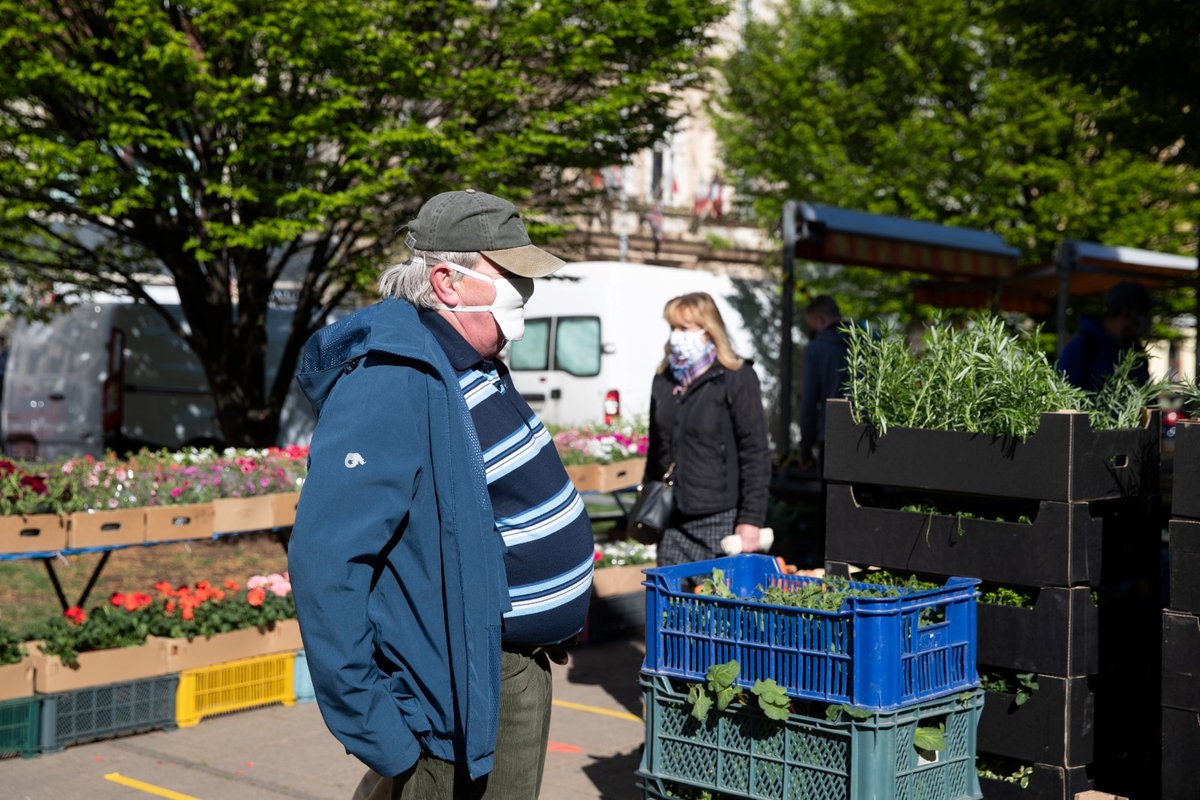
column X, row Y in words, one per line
column 390, row 326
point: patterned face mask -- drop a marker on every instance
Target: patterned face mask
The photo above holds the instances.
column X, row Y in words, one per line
column 688, row 346
column 508, row 309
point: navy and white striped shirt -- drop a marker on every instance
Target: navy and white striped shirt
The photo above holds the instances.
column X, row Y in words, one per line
column 538, row 512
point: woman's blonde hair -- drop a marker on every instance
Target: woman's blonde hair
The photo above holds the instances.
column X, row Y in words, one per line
column 699, row 308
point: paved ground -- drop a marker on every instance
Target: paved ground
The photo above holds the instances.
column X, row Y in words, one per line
column 276, row 752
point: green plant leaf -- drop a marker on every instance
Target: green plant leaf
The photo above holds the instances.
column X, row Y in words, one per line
column 772, row 699
column 929, row 739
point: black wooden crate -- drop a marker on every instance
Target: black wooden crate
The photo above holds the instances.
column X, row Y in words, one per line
column 1048, row 782
column 1181, row 660
column 1184, row 581
column 1185, row 491
column 1055, row 725
column 1064, row 460
column 1180, row 754
column 1065, row 544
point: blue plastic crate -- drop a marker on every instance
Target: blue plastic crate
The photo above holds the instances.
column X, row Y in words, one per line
column 741, row 753
column 105, row 712
column 878, row 654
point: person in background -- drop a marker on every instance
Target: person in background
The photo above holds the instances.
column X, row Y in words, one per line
column 441, row 557
column 706, row 418
column 824, row 373
column 1088, row 359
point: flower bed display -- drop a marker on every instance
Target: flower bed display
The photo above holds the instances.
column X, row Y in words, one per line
column 603, row 459
column 86, row 502
column 136, row 634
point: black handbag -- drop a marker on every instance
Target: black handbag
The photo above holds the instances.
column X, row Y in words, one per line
column 651, row 513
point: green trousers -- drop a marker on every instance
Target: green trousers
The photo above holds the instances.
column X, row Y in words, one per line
column 525, row 695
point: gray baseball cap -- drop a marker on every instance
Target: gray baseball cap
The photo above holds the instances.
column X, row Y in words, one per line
column 469, row 221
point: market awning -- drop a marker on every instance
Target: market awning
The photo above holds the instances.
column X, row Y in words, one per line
column 831, row 235
column 1089, row 268
column 840, row 236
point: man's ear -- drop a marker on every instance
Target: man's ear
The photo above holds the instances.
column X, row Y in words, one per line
column 445, row 288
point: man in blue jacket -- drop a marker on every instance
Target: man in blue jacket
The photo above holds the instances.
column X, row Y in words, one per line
column 440, row 556
column 825, row 360
column 1092, row 354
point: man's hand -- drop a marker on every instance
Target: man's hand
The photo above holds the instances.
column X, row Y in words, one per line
column 749, row 535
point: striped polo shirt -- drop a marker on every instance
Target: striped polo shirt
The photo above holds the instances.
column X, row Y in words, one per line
column 545, row 527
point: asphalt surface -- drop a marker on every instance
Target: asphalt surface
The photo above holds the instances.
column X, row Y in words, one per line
column 278, row 752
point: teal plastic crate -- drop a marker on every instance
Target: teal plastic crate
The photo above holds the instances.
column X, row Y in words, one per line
column 19, row 721
column 740, row 752
column 105, row 712
column 874, row 653
column 303, row 681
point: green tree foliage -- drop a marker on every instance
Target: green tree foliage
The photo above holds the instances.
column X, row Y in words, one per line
column 1141, row 55
column 224, row 141
column 922, row 109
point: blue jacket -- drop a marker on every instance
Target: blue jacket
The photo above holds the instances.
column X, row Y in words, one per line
column 1090, row 356
column 396, row 567
column 825, row 359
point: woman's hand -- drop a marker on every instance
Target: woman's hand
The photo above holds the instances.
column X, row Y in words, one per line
column 749, row 535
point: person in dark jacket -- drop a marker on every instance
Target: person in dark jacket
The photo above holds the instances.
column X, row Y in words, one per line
column 706, row 419
column 441, row 557
column 825, row 360
column 1089, row 358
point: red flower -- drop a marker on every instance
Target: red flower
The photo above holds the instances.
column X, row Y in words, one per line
column 162, row 587
column 7, row 467
column 203, row 585
column 75, row 614
column 35, row 482
column 171, row 606
column 117, row 599
column 187, row 613
column 256, row 596
column 232, row 586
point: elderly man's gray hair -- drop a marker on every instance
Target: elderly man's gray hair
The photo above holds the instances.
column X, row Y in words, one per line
column 410, row 280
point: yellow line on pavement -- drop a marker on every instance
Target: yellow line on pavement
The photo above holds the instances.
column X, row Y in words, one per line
column 597, row 710
column 149, row 788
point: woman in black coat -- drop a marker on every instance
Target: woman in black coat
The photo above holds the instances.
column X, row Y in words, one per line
column 706, row 419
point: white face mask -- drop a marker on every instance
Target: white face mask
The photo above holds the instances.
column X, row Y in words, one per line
column 508, row 309
column 688, row 345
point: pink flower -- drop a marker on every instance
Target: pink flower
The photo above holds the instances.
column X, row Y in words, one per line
column 178, row 490
column 257, row 582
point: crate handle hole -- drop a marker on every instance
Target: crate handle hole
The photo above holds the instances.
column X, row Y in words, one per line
column 177, row 521
column 110, row 526
column 31, row 532
column 1119, row 461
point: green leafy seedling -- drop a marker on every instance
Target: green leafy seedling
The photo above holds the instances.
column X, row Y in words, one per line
column 834, row 711
column 772, row 699
column 928, row 740
column 722, row 682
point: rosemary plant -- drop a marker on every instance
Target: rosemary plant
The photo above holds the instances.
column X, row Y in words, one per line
column 980, row 378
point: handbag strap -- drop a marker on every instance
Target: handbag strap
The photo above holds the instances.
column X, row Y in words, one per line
column 666, row 478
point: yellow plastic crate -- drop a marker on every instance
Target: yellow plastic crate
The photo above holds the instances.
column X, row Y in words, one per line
column 234, row 686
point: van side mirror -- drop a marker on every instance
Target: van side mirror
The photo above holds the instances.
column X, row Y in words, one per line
column 608, row 348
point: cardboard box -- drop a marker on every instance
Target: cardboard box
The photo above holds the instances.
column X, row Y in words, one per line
column 1059, row 636
column 35, row 533
column 182, row 522
column 236, row 514
column 607, row 477
column 100, row 528
column 235, row 645
column 1064, row 460
column 1054, row 726
column 283, row 508
column 1184, row 564
column 608, row 581
column 101, row 667
column 1181, row 661
column 16, row 680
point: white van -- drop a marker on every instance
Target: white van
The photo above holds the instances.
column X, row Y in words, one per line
column 110, row 374
column 595, row 333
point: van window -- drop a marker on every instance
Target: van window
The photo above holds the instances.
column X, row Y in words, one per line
column 577, row 346
column 533, row 350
